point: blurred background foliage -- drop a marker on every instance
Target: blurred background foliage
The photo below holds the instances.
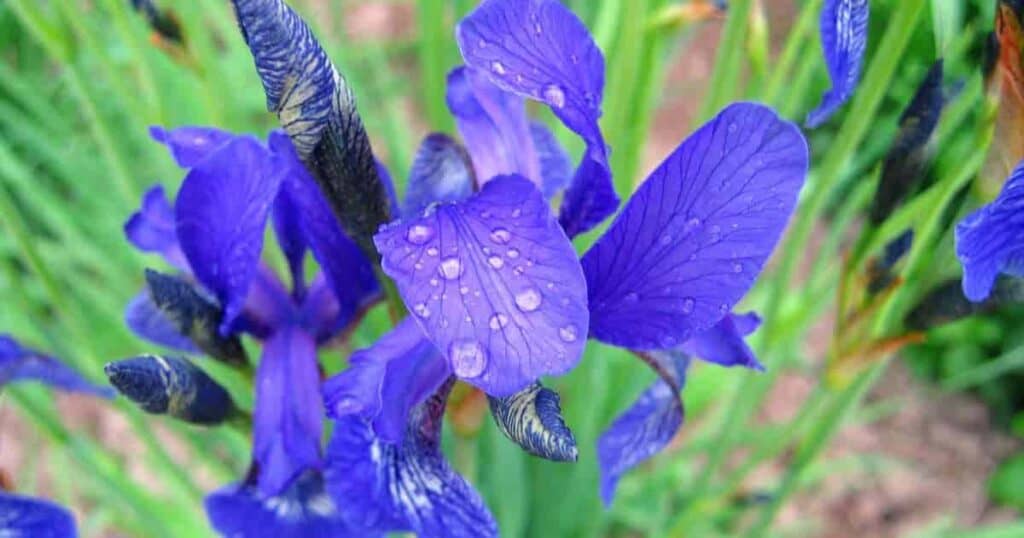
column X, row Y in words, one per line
column 81, row 80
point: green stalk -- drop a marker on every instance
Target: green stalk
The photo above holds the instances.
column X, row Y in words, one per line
column 434, row 41
column 724, row 84
column 798, row 37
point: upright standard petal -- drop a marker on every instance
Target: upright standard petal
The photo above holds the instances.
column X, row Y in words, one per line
column 990, row 240
column 647, row 426
column 25, row 517
column 844, row 38
column 317, row 109
column 441, row 172
column 172, row 386
column 539, row 49
column 555, row 163
column 723, row 344
column 194, row 316
column 693, row 238
column 19, row 363
column 287, row 219
column 532, row 419
column 383, row 383
column 147, row 322
column 345, row 266
column 494, row 283
column 494, row 126
column 303, row 510
column 287, row 421
column 151, row 228
column 189, row 145
column 221, row 212
column 407, row 486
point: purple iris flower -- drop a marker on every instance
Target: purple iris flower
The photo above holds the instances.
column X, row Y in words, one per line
column 990, row 240
column 26, row 516
column 844, row 39
column 214, row 234
column 496, row 294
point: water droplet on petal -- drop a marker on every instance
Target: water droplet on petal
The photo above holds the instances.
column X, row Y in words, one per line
column 432, row 251
column 537, row 29
column 723, row 308
column 500, row 236
column 688, row 304
column 498, row 68
column 574, row 58
column 737, row 268
column 632, row 297
column 419, row 234
column 481, row 44
column 434, row 282
column 464, row 290
column 468, row 358
column 528, row 300
column 554, row 96
column 516, row 213
column 421, row 310
column 665, row 240
column 496, row 262
column 450, row 268
column 512, row 253
column 569, row 333
column 497, row 321
column 732, row 127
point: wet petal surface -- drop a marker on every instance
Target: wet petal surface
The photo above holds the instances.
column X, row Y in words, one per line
column 441, row 172
column 696, row 234
column 844, row 38
column 990, row 240
column 494, row 283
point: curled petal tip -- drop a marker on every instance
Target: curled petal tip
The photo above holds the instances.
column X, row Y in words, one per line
column 532, row 418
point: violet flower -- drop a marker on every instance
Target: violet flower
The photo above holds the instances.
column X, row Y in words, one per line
column 214, row 234
column 990, row 241
column 844, row 39
column 496, row 293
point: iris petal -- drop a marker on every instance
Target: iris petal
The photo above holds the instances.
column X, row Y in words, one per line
column 303, row 510
column 723, row 344
column 36, row 518
column 844, row 38
column 533, row 420
column 287, row 414
column 189, row 145
column 408, row 486
column 287, row 220
column 693, row 238
column 541, row 50
column 151, row 228
column 494, row 126
column 647, row 426
column 383, row 383
column 441, row 172
column 990, row 240
column 221, row 211
column 346, row 268
column 494, row 283
column 19, row 363
column 555, row 163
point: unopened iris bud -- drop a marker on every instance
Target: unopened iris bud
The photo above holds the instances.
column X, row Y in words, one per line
column 171, row 386
column 946, row 303
column 317, row 109
column 905, row 162
column 195, row 316
column 164, row 23
column 533, row 420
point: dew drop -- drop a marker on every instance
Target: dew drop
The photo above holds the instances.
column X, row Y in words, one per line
column 528, row 300
column 512, row 253
column 432, row 251
column 433, row 282
column 496, row 262
column 519, row 270
column 688, row 304
column 665, row 240
column 554, row 96
column 497, row 321
column 632, row 297
column 421, row 310
column 498, row 68
column 419, row 234
column 569, row 333
column 481, row 44
column 418, row 266
column 464, row 290
column 574, row 58
column 737, row 268
column 550, row 285
column 500, row 236
column 468, row 358
column 732, row 127
column 668, row 342
column 537, row 29
column 516, row 213
column 450, row 268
